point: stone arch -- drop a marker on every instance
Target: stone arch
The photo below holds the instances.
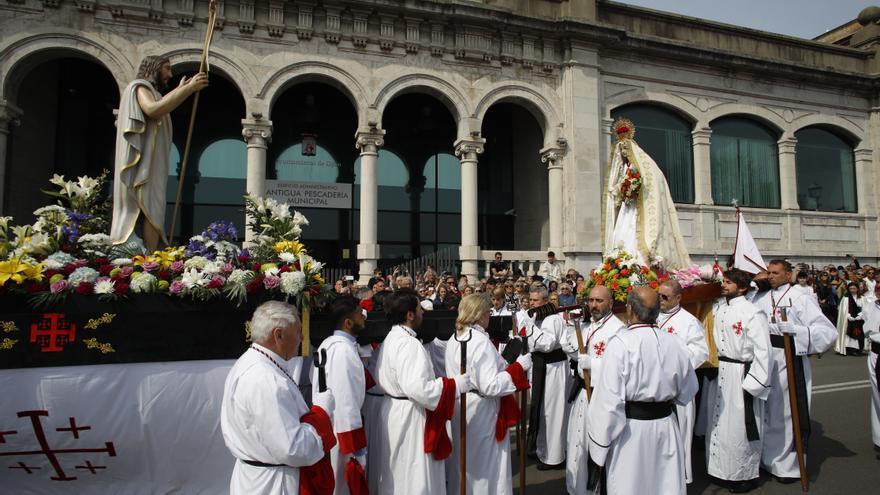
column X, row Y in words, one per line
column 323, row 72
column 448, row 94
column 757, row 113
column 529, row 98
column 29, row 50
column 660, row 100
column 844, row 127
column 235, row 70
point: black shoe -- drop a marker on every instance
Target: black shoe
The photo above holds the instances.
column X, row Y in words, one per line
column 742, row 486
column 784, row 480
column 550, row 467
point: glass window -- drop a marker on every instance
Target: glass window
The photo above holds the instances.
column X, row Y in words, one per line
column 666, row 137
column 173, row 160
column 393, row 178
column 224, row 159
column 442, row 184
column 825, row 170
column 745, row 163
column 291, row 164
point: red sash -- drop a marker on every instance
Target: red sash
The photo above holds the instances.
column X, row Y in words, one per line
column 356, row 478
column 437, row 441
column 508, row 409
column 317, row 479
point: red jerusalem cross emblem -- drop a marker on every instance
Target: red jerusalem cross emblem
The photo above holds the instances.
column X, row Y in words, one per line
column 599, row 348
column 671, row 330
column 51, row 454
column 738, row 328
column 52, row 332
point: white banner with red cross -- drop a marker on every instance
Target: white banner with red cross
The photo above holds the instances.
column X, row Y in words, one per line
column 128, row 428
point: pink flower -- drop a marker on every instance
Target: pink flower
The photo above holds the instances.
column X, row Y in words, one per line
column 216, row 282
column 176, row 287
column 126, row 271
column 80, row 263
column 271, row 282
column 227, row 268
column 59, row 286
column 149, row 266
column 177, row 266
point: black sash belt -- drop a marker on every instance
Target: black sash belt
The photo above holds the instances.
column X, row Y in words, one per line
column 396, row 397
column 261, row 464
column 540, row 360
column 748, row 401
column 375, row 394
column 578, row 384
column 875, row 348
column 800, row 380
column 648, row 410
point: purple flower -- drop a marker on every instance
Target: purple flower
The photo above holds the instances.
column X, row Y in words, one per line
column 271, row 282
column 176, row 287
column 59, row 286
column 149, row 266
column 177, row 266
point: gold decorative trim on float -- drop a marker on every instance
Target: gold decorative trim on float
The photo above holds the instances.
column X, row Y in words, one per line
column 7, row 344
column 8, row 326
column 94, row 323
column 93, row 343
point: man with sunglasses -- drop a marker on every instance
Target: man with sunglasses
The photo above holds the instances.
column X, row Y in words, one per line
column 677, row 321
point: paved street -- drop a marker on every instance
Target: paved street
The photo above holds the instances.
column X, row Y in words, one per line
column 841, row 457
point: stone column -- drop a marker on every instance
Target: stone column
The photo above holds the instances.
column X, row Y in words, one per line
column 552, row 156
column 864, row 160
column 787, row 173
column 702, row 166
column 257, row 134
column 469, row 252
column 369, row 143
column 9, row 115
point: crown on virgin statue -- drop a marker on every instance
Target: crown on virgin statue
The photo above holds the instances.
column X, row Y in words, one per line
column 624, row 129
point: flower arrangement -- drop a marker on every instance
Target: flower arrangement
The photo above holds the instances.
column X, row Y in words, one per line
column 620, row 273
column 629, row 187
column 62, row 254
column 696, row 275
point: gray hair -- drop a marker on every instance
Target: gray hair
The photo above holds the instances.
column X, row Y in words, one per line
column 271, row 315
column 541, row 290
column 644, row 311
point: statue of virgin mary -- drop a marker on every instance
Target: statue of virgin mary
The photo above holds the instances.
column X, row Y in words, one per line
column 639, row 215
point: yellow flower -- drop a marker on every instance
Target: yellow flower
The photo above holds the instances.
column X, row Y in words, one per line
column 141, row 259
column 34, row 272
column 168, row 256
column 288, row 247
column 12, row 270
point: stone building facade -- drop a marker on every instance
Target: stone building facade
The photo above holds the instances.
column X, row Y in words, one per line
column 554, row 72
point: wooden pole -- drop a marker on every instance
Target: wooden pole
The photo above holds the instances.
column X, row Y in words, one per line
column 203, row 64
column 462, row 434
column 788, row 341
column 580, row 339
column 523, row 407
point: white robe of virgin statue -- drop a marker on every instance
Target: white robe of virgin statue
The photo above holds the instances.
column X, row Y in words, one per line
column 259, row 417
column 741, row 332
column 404, row 370
column 872, row 336
column 140, row 174
column 549, row 336
column 688, row 328
column 642, row 363
column 813, row 334
column 648, row 229
column 488, row 460
column 346, row 380
column 595, row 337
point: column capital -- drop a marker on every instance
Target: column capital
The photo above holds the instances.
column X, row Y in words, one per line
column 256, row 132
column 701, row 135
column 863, row 154
column 369, row 141
column 787, row 144
column 607, row 127
column 468, row 146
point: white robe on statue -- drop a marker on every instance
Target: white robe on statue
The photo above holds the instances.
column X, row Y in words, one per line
column 550, row 335
column 346, row 380
column 813, row 334
column 872, row 337
column 642, row 363
column 488, row 460
column 688, row 328
column 140, row 174
column 648, row 229
column 741, row 332
column 404, row 370
column 595, row 337
column 259, row 418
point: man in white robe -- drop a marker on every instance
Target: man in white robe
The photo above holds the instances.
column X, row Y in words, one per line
column 742, row 336
column 551, row 381
column 602, row 326
column 633, row 433
column 872, row 334
column 678, row 321
column 143, row 144
column 793, row 311
column 277, row 441
column 416, row 406
column 345, row 377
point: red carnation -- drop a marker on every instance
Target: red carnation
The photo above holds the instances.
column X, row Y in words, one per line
column 256, row 267
column 624, row 272
column 163, row 275
column 284, row 269
column 68, row 269
column 105, row 269
column 85, row 288
column 35, row 288
column 101, row 261
column 50, row 273
column 120, row 288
